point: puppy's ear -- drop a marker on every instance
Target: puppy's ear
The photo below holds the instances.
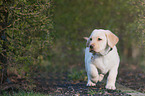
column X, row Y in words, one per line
column 88, row 41
column 86, row 38
column 112, row 38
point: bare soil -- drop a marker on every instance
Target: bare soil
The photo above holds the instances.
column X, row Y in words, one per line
column 57, row 84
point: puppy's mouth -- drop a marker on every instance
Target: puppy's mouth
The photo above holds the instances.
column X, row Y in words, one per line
column 92, row 51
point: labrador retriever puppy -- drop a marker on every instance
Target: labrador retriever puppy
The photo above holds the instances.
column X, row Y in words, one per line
column 101, row 56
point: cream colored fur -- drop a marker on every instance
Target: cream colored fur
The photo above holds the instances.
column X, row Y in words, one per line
column 101, row 57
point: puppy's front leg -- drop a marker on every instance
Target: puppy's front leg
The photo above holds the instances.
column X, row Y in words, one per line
column 93, row 75
column 112, row 78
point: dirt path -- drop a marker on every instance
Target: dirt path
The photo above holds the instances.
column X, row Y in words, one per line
column 134, row 79
column 61, row 84
column 57, row 84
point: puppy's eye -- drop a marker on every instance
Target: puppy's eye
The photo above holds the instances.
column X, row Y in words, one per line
column 91, row 39
column 99, row 39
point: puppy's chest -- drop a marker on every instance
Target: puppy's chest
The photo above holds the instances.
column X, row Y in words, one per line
column 102, row 63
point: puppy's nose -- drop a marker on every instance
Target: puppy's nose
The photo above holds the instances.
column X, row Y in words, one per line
column 91, row 46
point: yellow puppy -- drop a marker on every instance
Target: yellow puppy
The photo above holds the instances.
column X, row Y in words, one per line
column 101, row 53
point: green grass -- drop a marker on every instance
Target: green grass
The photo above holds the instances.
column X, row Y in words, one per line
column 92, row 92
column 77, row 75
column 23, row 93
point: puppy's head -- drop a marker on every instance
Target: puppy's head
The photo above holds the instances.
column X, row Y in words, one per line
column 100, row 39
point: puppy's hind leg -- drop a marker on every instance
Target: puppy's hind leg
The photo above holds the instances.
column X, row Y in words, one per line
column 93, row 75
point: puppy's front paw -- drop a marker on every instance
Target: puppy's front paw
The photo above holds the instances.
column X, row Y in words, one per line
column 91, row 84
column 101, row 76
column 109, row 86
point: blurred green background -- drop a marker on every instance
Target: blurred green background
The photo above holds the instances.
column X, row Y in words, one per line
column 75, row 19
column 47, row 35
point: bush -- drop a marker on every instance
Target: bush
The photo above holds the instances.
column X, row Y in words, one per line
column 29, row 33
